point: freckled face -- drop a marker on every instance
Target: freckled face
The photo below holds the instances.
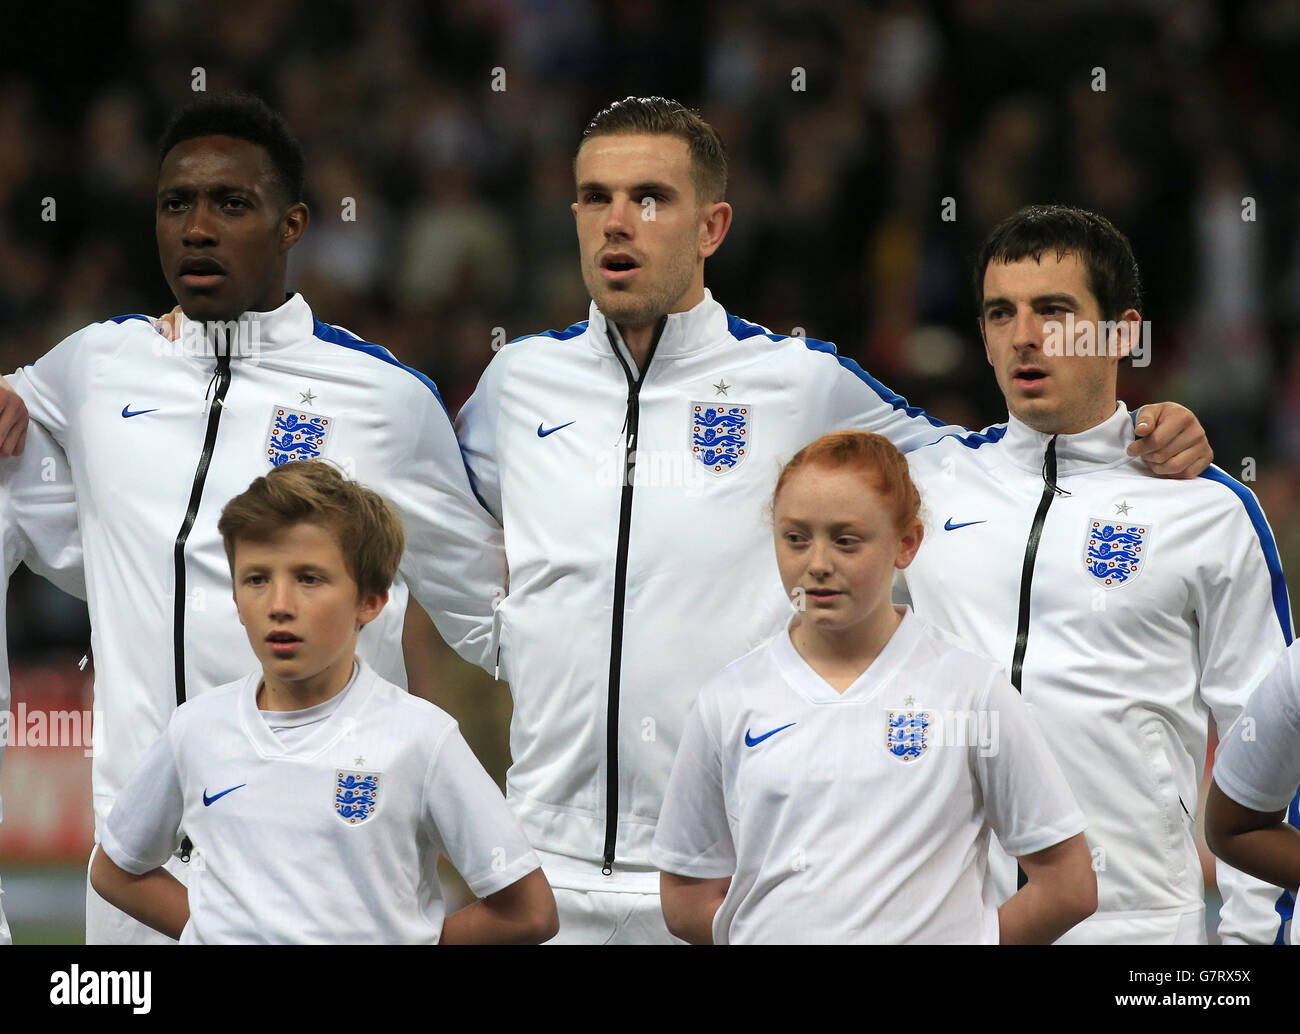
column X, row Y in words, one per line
column 837, row 547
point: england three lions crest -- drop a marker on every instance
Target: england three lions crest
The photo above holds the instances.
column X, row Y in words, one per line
column 907, row 734
column 720, row 435
column 1114, row 552
column 295, row 435
column 356, row 795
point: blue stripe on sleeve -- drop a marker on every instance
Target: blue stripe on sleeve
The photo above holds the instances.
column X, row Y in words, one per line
column 1285, row 904
column 558, row 335
column 741, row 329
column 338, row 336
column 1281, row 603
column 131, row 316
column 974, row 439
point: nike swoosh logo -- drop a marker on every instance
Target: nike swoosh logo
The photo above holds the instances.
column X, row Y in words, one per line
column 754, row 741
column 949, row 526
column 128, row 412
column 543, row 434
column 207, row 801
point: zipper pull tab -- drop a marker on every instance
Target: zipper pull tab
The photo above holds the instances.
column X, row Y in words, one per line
column 207, row 395
column 1049, row 468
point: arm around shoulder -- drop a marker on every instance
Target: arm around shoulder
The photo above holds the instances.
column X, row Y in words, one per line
column 858, row 401
column 1171, row 441
column 13, row 421
column 51, row 388
column 455, row 563
column 476, row 430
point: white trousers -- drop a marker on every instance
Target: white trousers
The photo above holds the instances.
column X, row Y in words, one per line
column 603, row 917
column 1159, row 928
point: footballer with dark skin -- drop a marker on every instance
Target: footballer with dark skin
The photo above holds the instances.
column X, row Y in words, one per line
column 225, row 224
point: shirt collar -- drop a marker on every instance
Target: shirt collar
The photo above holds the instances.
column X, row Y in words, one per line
column 289, row 324
column 685, row 332
column 1098, row 447
column 339, row 724
column 812, row 687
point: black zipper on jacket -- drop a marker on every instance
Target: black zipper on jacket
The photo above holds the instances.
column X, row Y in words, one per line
column 1050, row 492
column 630, row 427
column 222, row 377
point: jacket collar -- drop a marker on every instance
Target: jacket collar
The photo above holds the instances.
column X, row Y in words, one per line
column 257, row 332
column 1094, row 449
column 685, row 332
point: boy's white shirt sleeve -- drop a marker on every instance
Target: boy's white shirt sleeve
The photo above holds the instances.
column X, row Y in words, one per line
column 455, row 561
column 1259, row 761
column 693, row 837
column 1240, row 636
column 1027, row 802
column 143, row 829
column 470, row 818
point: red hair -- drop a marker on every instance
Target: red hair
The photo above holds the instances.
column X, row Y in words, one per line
column 869, row 454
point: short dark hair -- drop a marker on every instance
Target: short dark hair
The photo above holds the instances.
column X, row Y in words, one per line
column 1105, row 252
column 364, row 524
column 245, row 117
column 669, row 117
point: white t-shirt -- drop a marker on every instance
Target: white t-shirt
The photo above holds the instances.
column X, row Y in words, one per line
column 862, row 816
column 291, row 728
column 1259, row 762
column 330, row 837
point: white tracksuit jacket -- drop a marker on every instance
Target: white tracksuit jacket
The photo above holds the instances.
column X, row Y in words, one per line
column 625, row 599
column 38, row 526
column 1151, row 605
column 160, row 441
